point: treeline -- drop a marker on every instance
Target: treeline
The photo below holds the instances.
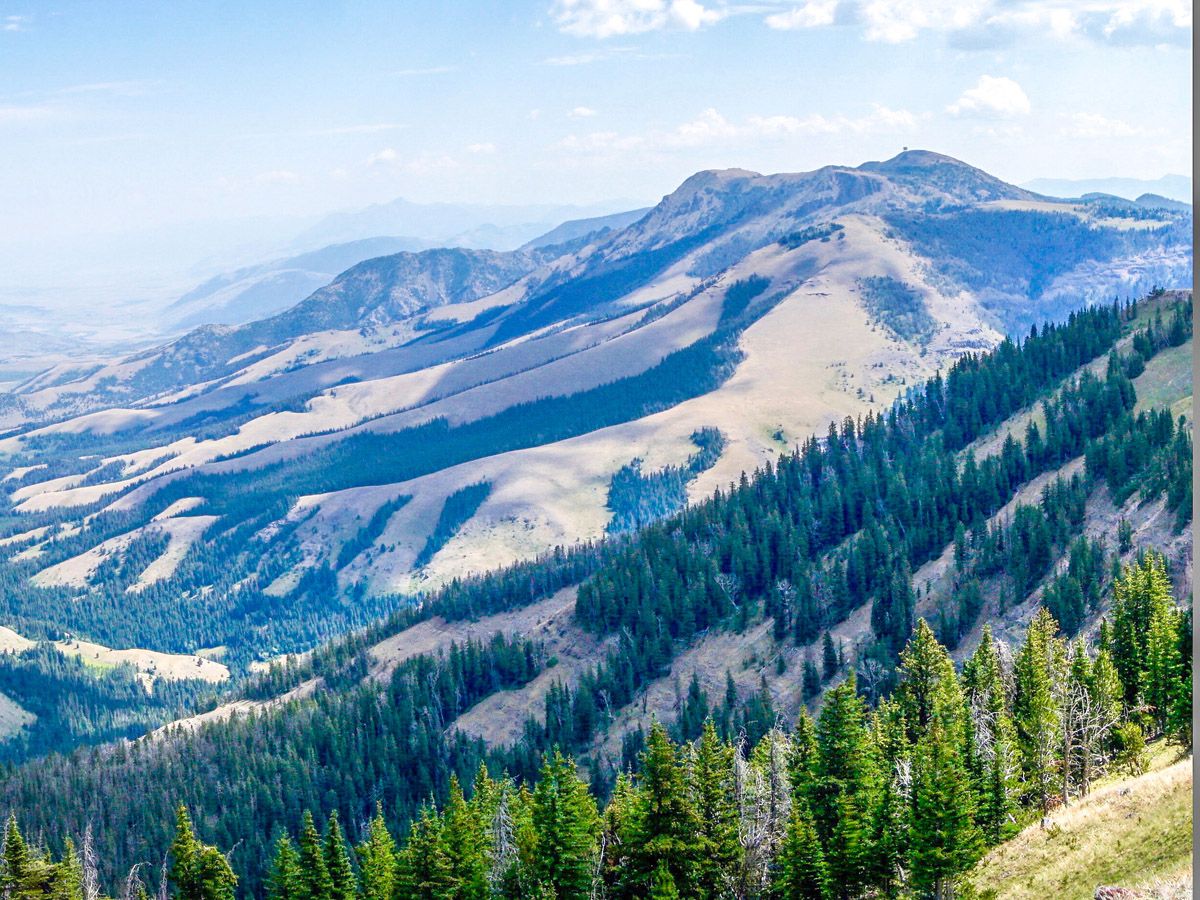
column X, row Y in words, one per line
column 72, row 703
column 896, row 800
column 637, row 499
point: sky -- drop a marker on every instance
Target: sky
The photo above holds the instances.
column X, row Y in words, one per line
column 189, row 118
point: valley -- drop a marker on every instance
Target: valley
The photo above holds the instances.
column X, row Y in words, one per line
column 710, row 471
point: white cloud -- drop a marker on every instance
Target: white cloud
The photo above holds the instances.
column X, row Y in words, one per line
column 1094, row 125
column 711, row 127
column 385, row 157
column 611, row 18
column 388, row 158
column 812, row 14
column 482, row 149
column 581, row 112
column 992, row 97
column 968, row 24
column 14, row 23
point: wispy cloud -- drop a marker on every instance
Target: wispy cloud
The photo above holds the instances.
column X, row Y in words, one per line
column 581, row 112
column 278, row 176
column 422, row 164
column 613, row 18
column 14, row 23
column 430, row 70
column 368, row 128
column 483, row 148
column 133, row 88
column 1094, row 125
column 10, row 115
column 967, row 24
column 992, row 97
column 711, row 127
column 812, row 14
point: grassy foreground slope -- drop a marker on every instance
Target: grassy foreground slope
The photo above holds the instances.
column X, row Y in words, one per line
column 1131, row 832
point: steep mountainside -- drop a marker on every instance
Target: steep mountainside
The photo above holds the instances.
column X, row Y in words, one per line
column 1014, row 481
column 431, row 415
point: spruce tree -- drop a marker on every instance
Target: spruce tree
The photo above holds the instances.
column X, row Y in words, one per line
column 711, row 785
column 1036, row 713
column 315, row 883
column 377, row 860
column 945, row 840
column 465, row 845
column 283, row 881
column 662, row 823
column 566, row 824
column 423, row 869
column 16, row 860
column 800, row 873
column 343, row 885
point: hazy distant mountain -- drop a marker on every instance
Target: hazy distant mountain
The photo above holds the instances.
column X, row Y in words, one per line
column 762, row 307
column 480, row 226
column 1174, row 187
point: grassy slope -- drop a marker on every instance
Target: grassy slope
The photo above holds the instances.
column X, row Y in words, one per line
column 1134, row 832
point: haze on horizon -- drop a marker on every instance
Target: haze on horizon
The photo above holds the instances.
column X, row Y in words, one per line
column 134, row 143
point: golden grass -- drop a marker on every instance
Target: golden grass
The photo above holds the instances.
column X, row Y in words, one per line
column 1135, row 833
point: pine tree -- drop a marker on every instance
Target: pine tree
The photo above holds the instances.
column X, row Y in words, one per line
column 343, row 885
column 843, row 788
column 198, row 871
column 465, row 844
column 1161, row 673
column 945, row 840
column 16, row 860
column 315, row 883
column 1036, row 713
column 423, row 869
column 377, row 860
column 711, row 785
column 662, row 886
column 661, row 825
column 566, row 824
column 829, row 657
column 283, row 881
column 801, row 872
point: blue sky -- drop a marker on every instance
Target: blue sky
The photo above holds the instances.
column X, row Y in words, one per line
column 127, row 116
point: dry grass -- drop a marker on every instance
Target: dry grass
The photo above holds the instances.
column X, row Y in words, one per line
column 1132, row 832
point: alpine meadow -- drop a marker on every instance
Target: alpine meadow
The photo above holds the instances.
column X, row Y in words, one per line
column 399, row 502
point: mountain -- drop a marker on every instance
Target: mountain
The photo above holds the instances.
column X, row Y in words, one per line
column 254, row 292
column 1023, row 512
column 432, row 414
column 1173, row 187
column 480, row 226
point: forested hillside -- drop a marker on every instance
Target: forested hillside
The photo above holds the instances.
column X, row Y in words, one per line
column 829, row 535
column 251, row 491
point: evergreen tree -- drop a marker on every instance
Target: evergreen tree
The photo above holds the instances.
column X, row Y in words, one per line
column 843, row 788
column 465, row 844
column 198, row 871
column 315, row 883
column 566, row 824
column 283, row 881
column 830, row 662
column 16, row 860
column 945, row 840
column 343, row 884
column 661, row 825
column 712, row 793
column 801, row 872
column 377, row 860
column 1036, row 713
column 423, row 869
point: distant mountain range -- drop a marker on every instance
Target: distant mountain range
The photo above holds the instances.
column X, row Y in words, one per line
column 430, row 413
column 1173, row 187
